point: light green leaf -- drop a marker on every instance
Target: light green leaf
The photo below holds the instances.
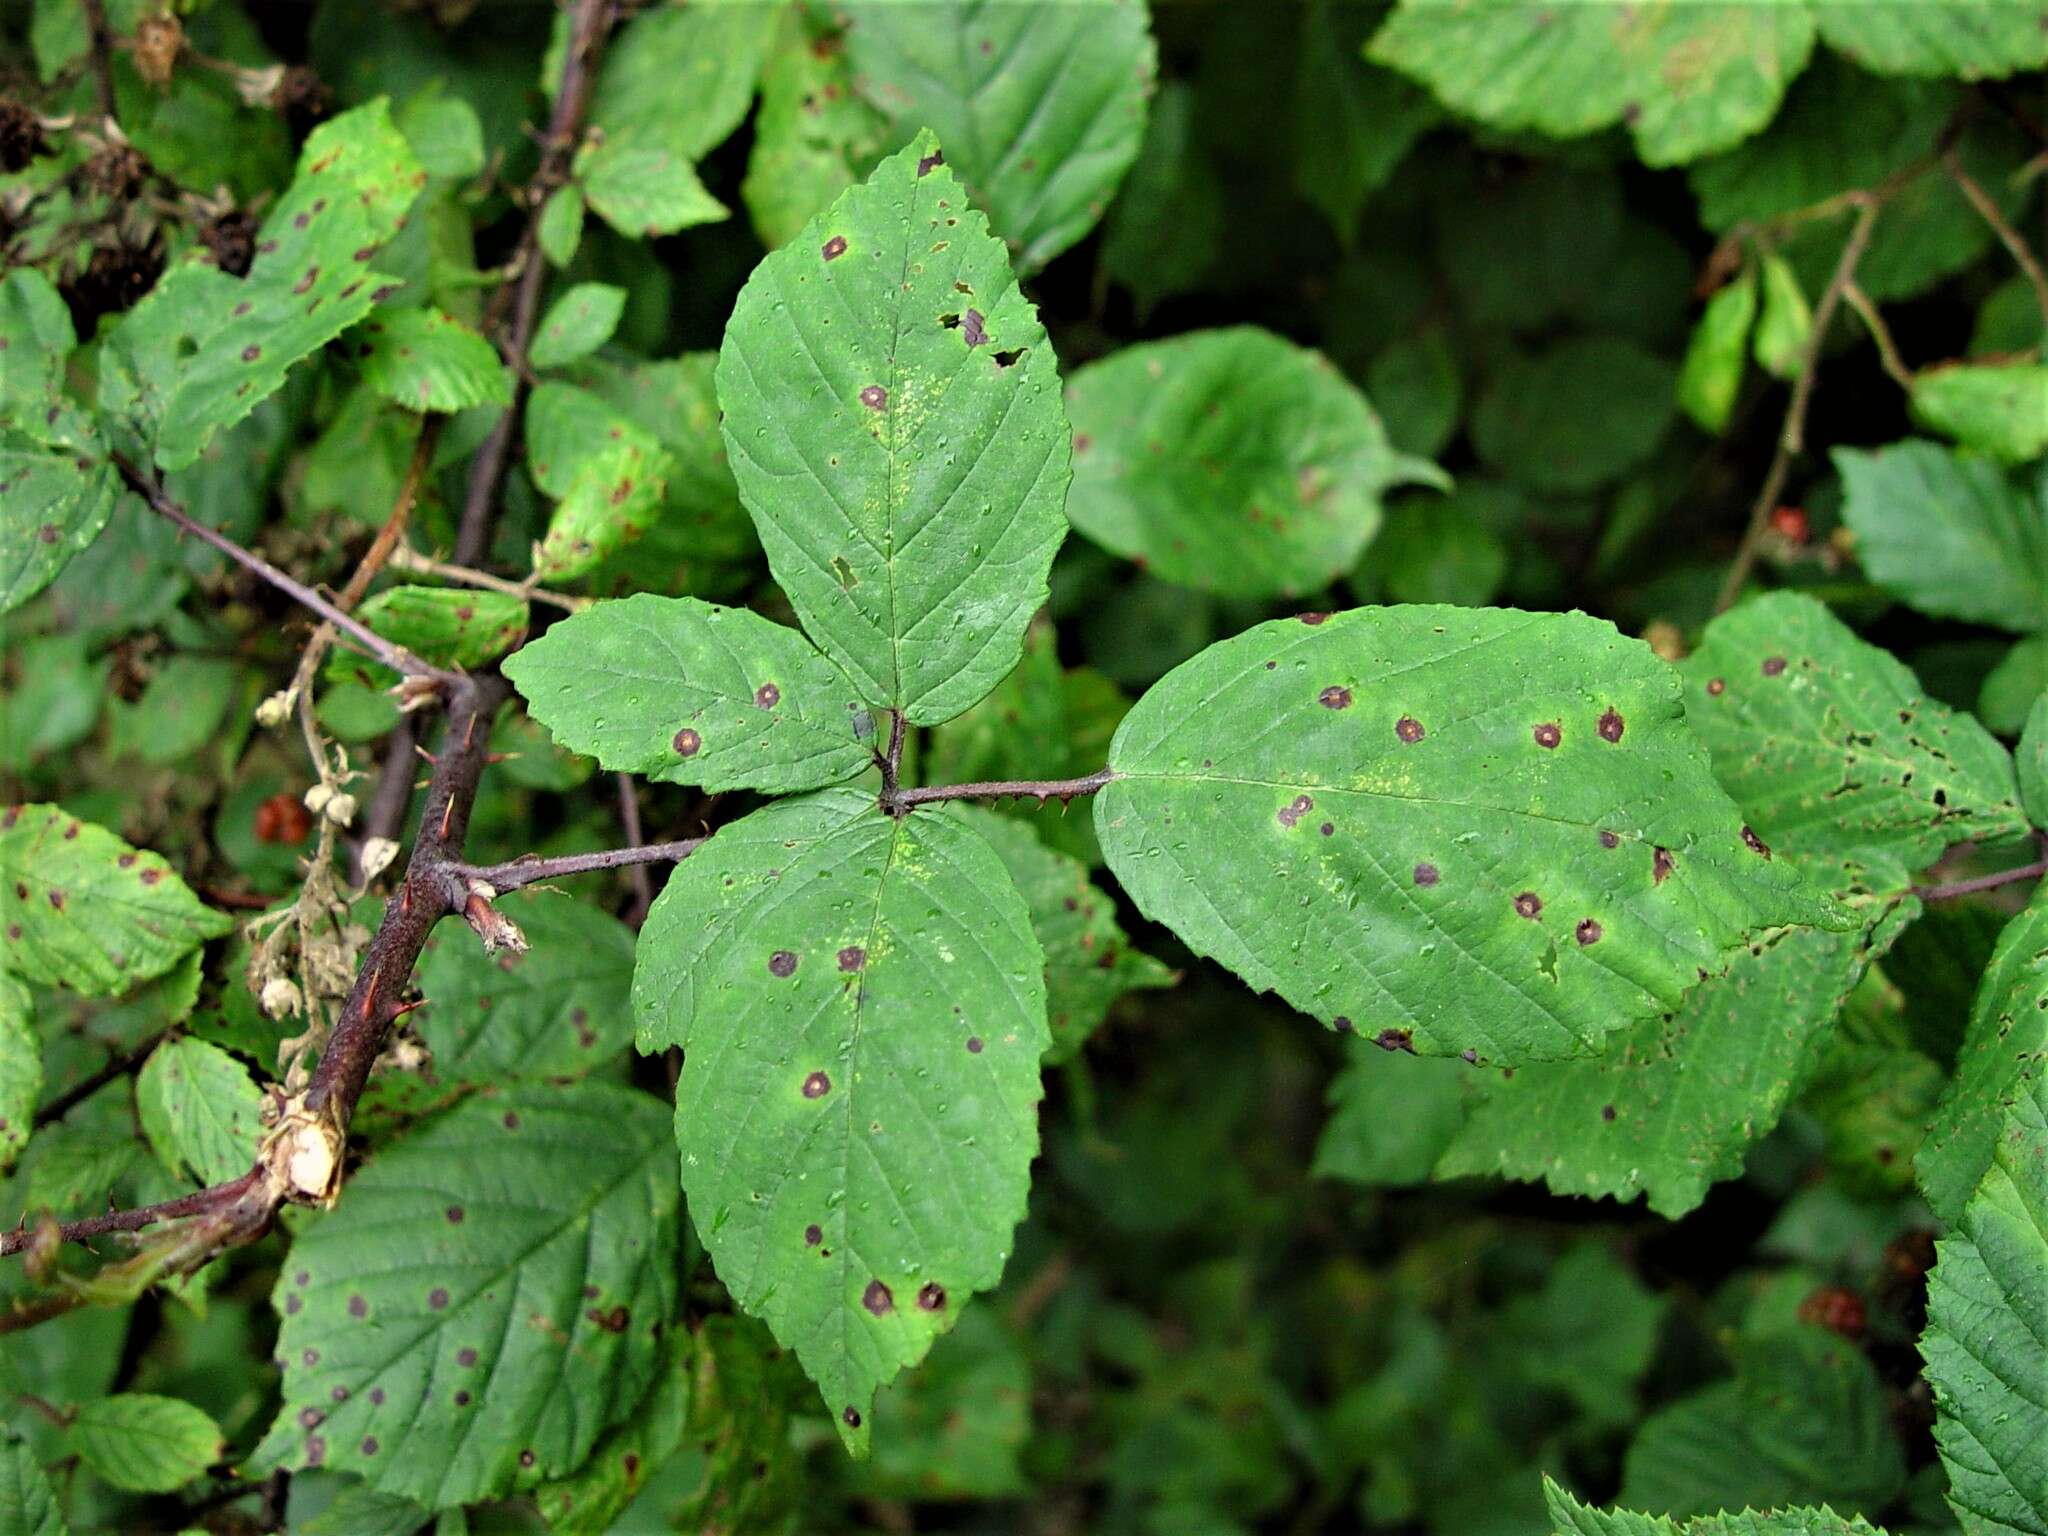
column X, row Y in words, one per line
column 1577, row 416
column 487, row 1300
column 311, row 281
column 813, row 135
column 577, row 324
column 1949, row 534
column 1455, row 829
column 1231, row 461
column 1571, row 1518
column 1687, row 79
column 1089, row 961
column 28, row 1504
column 561, row 225
column 424, row 361
column 144, row 1444
column 861, row 1006
column 1040, row 108
column 2031, row 756
column 36, row 326
column 1829, row 744
column 1999, row 408
column 1672, row 1107
column 450, row 626
column 1711, row 376
column 2009, row 691
column 83, row 909
column 609, row 474
column 893, row 417
column 687, row 692
column 21, row 1067
column 1786, row 324
column 684, row 76
column 58, row 496
column 2003, row 1055
column 725, row 1390
column 1984, row 1346
column 200, row 1110
column 444, row 133
column 641, row 187
column 1967, row 38
column 556, row 1011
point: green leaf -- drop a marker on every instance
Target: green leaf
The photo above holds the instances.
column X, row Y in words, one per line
column 577, row 324
column 684, row 76
column 893, row 417
column 1230, row 461
column 561, row 225
column 609, row 473
column 1165, row 230
column 180, row 712
column 1687, row 79
column 1571, row 1518
column 450, row 626
column 1577, row 416
column 725, row 1391
column 556, row 1011
column 145, row 1444
column 1985, row 1351
column 861, row 1006
column 1711, row 376
column 1455, row 829
column 687, row 692
column 1999, row 408
column 1935, row 37
column 2009, row 691
column 1588, row 1335
column 1040, row 108
column 311, row 281
column 83, row 909
column 640, row 187
column 1786, row 324
column 2003, row 1054
column 28, row 1504
column 1829, row 744
column 813, row 134
column 1949, row 534
column 424, row 361
column 21, row 1067
column 1672, row 1106
column 1353, row 123
column 200, row 1110
column 1391, row 1116
column 58, row 496
column 955, row 1428
column 1434, row 549
column 1415, row 383
column 1089, row 961
column 444, row 133
column 487, row 1300
column 2031, row 756
column 36, row 326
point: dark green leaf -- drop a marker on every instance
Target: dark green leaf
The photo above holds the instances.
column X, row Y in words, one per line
column 576, row 324
column 145, row 1444
column 21, row 1067
column 1577, row 416
column 28, row 1505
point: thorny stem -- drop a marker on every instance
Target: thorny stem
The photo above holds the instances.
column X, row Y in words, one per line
column 1792, row 437
column 588, row 25
column 397, row 657
column 1953, row 888
column 629, row 822
column 531, row 869
column 1887, row 349
column 407, row 559
column 898, row 801
column 197, row 1203
column 891, row 761
column 2022, row 253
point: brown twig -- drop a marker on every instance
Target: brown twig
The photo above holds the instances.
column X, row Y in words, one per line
column 532, row 869
column 1887, row 349
column 85, row 1088
column 1792, row 437
column 406, row 559
column 629, row 822
column 897, row 802
column 102, row 54
column 199, row 1202
column 588, row 26
column 1950, row 889
column 1989, row 211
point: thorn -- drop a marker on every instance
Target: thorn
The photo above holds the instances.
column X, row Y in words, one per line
column 405, row 1008
column 370, row 995
column 405, row 896
column 469, row 733
column 423, row 752
column 447, row 810
column 497, row 757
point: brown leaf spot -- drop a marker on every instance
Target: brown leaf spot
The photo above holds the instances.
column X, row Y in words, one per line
column 1548, row 735
column 813, row 1235
column 931, row 1297
column 465, row 1356
column 1409, row 729
column 455, row 1215
column 511, row 1120
column 1661, row 865
column 1312, row 618
column 877, row 1299
column 613, row 1321
column 251, row 352
column 1755, row 844
column 767, row 696
column 974, row 1045
column 57, row 899
column 834, row 248
column 437, row 1298
column 852, row 958
column 1292, row 812
column 1588, row 931
column 874, row 397
column 852, row 1417
column 1395, row 1040
column 1606, row 1111
column 1716, row 686
column 1773, row 665
column 1334, row 697
column 687, row 742
column 316, row 1450
column 151, row 876
column 1426, row 874
column 973, row 328
column 817, row 1085
column 924, row 166
column 782, row 963
column 1610, row 840
column 1528, row 904
column 357, row 1307
column 1611, row 726
column 369, row 1445
column 1327, row 828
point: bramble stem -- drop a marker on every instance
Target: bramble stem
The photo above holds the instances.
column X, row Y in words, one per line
column 531, row 869
column 2014, row 242
column 406, row 559
column 896, row 802
column 198, row 1203
column 1953, row 888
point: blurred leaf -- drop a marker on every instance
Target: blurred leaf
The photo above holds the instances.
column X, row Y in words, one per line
column 56, row 700
column 643, row 188
column 1230, row 461
column 1353, row 122
column 1949, row 534
column 478, row 1257
column 828, row 429
column 1433, row 550
column 1785, row 327
column 608, row 474
column 814, row 135
column 1165, row 229
column 1040, row 109
column 28, row 1505
column 1872, row 1101
column 1457, row 820
column 21, row 1068
column 1972, row 41
column 85, row 910
column 424, row 361
column 953, row 1429
column 59, row 495
column 1415, row 384
column 1984, row 1348
column 576, row 324
column 682, row 77
column 561, row 225
column 145, row 1444
column 2011, row 688
column 1589, row 1334
column 180, row 712
column 449, row 626
column 1391, row 1116
column 199, row 1109
column 801, row 959
column 2032, row 758
column 2000, row 409
column 1576, row 416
